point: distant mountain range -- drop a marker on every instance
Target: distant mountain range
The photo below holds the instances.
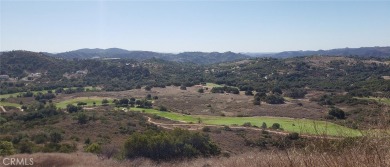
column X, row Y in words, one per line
column 360, row 52
column 214, row 57
column 192, row 57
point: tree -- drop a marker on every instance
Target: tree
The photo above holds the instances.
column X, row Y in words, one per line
column 264, row 125
column 277, row 90
column 149, row 96
column 123, row 102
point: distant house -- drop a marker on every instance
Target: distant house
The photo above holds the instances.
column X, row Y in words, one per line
column 82, row 72
column 4, row 77
column 35, row 75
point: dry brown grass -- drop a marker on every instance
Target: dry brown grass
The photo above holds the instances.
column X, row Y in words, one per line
column 368, row 151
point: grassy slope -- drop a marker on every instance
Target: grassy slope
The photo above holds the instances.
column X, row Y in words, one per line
column 88, row 100
column 304, row 126
column 213, row 85
column 45, row 91
column 3, row 103
column 381, row 100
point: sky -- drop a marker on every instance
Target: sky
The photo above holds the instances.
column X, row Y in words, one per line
column 178, row 26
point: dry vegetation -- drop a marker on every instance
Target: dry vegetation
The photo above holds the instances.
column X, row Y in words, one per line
column 370, row 152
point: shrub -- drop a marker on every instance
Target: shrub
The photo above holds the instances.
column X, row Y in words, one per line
column 296, row 93
column 247, row 124
column 167, row 145
column 162, row 108
column 93, row 148
column 275, row 126
column 206, row 129
column 148, row 88
column 336, row 112
column 274, row 99
column 40, row 138
column 67, row 148
column 72, row 108
column 82, row 118
column 293, row 136
column 264, row 125
column 201, row 90
column 55, row 137
column 6, row 148
column 183, row 87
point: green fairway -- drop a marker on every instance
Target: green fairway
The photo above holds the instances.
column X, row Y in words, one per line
column 3, row 103
column 88, row 100
column 213, row 85
column 303, row 126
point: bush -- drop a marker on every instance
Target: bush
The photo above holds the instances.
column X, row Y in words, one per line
column 82, row 118
column 275, row 126
column 67, row 148
column 40, row 138
column 55, row 137
column 148, row 88
column 201, row 90
column 206, row 129
column 6, row 148
column 72, row 108
column 162, row 108
column 247, row 124
column 274, row 99
column 293, row 136
column 93, row 148
column 264, row 125
column 336, row 112
column 296, row 93
column 105, row 102
column 167, row 145
column 183, row 87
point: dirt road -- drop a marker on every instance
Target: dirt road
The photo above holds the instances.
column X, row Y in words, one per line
column 3, row 109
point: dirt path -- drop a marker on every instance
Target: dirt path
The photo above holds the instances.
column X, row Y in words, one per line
column 200, row 126
column 2, row 108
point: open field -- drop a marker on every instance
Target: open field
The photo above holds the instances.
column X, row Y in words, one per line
column 88, row 100
column 213, row 85
column 303, row 126
column 3, row 103
column 90, row 88
column 380, row 100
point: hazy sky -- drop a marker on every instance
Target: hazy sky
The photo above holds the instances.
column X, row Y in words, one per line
column 176, row 26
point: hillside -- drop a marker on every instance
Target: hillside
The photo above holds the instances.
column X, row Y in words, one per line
column 192, row 57
column 383, row 52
